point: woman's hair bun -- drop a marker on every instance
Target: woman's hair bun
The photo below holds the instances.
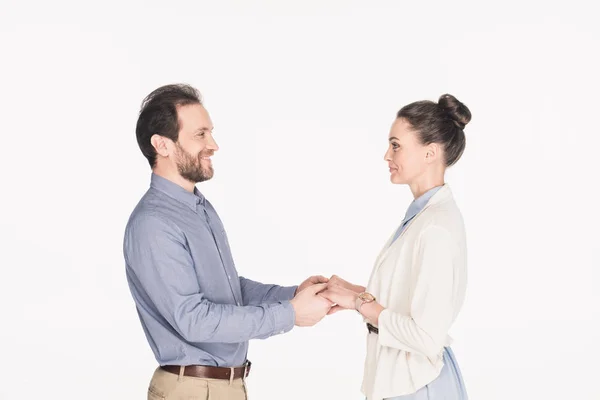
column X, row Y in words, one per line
column 456, row 110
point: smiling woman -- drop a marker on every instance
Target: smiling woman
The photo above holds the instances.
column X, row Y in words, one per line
column 419, row 281
column 423, row 130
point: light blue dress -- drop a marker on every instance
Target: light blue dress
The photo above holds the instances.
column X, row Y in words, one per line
column 449, row 385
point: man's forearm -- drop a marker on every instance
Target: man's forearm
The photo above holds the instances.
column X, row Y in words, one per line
column 255, row 293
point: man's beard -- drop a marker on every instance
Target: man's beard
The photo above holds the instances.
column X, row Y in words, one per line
column 190, row 167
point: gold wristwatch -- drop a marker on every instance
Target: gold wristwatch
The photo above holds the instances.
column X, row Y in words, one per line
column 363, row 298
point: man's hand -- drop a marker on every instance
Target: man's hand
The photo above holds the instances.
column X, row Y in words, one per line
column 336, row 280
column 309, row 306
column 313, row 280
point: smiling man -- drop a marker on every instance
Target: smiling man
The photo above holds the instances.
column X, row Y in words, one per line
column 197, row 313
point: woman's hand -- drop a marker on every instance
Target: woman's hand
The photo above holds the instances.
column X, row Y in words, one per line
column 343, row 298
column 340, row 282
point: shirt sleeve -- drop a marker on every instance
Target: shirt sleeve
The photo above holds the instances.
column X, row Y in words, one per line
column 432, row 311
column 162, row 270
column 254, row 293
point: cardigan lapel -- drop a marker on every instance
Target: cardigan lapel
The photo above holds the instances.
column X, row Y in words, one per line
column 442, row 195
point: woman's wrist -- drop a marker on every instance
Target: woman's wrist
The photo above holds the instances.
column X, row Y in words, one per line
column 371, row 311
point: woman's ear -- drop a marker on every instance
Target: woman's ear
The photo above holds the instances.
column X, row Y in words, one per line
column 432, row 152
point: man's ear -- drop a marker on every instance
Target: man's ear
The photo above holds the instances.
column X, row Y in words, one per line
column 160, row 145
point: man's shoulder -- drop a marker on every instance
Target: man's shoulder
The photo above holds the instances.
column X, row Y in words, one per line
column 152, row 211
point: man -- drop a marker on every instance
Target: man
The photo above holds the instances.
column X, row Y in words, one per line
column 197, row 313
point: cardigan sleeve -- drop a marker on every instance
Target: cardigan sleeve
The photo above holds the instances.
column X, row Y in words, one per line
column 432, row 310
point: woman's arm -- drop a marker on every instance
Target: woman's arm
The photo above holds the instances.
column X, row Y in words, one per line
column 433, row 303
column 432, row 312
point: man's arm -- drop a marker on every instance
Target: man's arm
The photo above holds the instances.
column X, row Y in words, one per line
column 162, row 272
column 254, row 293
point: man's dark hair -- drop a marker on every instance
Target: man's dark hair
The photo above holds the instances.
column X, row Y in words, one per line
column 158, row 115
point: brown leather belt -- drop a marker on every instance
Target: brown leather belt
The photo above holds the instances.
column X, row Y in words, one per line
column 372, row 329
column 206, row 371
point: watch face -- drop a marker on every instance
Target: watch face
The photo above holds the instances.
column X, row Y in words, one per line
column 367, row 297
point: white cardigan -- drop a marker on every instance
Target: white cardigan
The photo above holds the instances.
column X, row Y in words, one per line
column 421, row 281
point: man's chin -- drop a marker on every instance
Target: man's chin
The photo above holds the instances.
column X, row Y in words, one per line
column 206, row 175
column 198, row 178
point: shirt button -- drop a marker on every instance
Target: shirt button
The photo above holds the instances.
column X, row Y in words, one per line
column 238, row 304
column 229, row 276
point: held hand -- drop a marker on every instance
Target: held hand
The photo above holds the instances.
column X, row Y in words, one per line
column 313, row 280
column 345, row 284
column 309, row 306
column 343, row 298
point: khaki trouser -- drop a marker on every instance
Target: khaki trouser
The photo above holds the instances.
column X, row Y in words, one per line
column 168, row 386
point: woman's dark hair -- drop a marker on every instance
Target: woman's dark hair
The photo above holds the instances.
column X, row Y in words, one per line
column 158, row 115
column 442, row 122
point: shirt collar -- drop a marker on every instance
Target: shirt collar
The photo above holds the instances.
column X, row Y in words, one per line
column 178, row 193
column 419, row 203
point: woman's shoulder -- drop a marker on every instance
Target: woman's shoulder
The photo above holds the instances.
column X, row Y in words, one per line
column 443, row 215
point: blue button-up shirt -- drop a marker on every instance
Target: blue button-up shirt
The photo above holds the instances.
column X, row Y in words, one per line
column 193, row 306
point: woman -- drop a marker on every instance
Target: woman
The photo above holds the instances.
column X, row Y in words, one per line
column 418, row 283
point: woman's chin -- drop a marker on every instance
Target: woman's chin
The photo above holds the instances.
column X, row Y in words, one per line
column 397, row 180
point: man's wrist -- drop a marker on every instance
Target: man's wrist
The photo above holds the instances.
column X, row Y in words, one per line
column 284, row 317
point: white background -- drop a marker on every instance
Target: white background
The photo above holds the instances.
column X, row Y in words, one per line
column 302, row 96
